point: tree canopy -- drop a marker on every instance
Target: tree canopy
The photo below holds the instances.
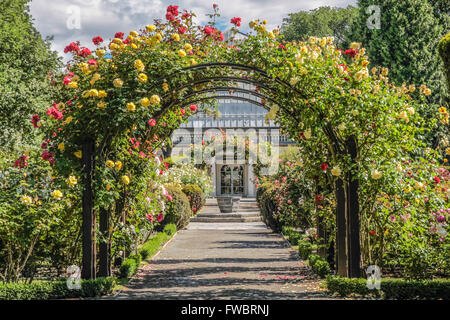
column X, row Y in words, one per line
column 25, row 61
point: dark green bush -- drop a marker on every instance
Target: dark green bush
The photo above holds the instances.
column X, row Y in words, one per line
column 294, row 238
column 128, row 268
column 392, row 288
column 321, row 268
column 444, row 51
column 178, row 211
column 195, row 195
column 313, row 258
column 42, row 290
column 170, row 229
column 268, row 207
column 304, row 249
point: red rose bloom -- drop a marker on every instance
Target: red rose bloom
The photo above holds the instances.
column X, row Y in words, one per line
column 152, row 122
column 34, row 120
column 119, row 35
column 67, row 80
column 21, row 162
column 182, row 30
column 236, row 21
column 160, row 217
column 185, row 16
column 85, row 52
column 149, row 217
column 437, row 180
column 97, row 40
column 173, row 10
column 73, row 47
column 372, row 233
column 324, row 166
column 351, row 53
column 92, row 62
column 318, row 199
column 193, row 107
column 208, row 30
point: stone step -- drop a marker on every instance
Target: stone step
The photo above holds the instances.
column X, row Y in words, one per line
column 222, row 220
column 229, row 215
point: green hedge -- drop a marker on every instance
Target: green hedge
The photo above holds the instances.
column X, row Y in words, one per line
column 178, row 211
column 267, row 206
column 305, row 249
column 319, row 266
column 391, row 288
column 148, row 249
column 43, row 290
column 444, row 51
column 195, row 195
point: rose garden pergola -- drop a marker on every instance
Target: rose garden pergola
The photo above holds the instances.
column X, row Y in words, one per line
column 143, row 85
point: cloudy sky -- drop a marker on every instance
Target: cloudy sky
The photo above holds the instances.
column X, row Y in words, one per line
column 72, row 20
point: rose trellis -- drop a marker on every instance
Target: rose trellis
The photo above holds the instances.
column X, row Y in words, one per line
column 145, row 85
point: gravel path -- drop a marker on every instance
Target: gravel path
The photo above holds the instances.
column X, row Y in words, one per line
column 224, row 261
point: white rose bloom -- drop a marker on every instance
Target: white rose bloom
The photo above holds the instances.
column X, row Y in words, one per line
column 403, row 115
column 376, row 174
column 342, row 126
column 336, row 171
column 308, row 133
column 410, row 110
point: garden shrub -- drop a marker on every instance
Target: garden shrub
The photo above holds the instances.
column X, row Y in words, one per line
column 178, row 211
column 304, row 249
column 170, row 229
column 268, row 207
column 321, row 268
column 130, row 266
column 149, row 248
column 195, row 195
column 42, row 290
column 444, row 51
column 392, row 288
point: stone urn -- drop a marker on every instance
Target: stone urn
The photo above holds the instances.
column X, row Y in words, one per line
column 228, row 204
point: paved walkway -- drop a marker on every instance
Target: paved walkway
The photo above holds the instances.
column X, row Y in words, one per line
column 224, row 261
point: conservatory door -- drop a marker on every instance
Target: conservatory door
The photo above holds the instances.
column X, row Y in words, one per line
column 232, row 180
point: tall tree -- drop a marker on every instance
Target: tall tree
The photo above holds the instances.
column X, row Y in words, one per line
column 320, row 22
column 406, row 41
column 25, row 61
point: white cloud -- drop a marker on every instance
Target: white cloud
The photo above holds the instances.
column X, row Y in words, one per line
column 106, row 17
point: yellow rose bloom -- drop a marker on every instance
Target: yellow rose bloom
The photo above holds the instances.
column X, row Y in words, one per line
column 125, row 180
column 113, row 47
column 102, row 94
column 192, row 61
column 78, row 154
column 73, row 85
column 150, row 28
column 182, row 53
column 139, row 65
column 100, row 52
column 61, row 146
column 68, row 120
column 27, row 200
column 176, row 37
column 57, row 194
column 142, row 77
column 134, row 46
column 165, row 87
column 118, row 165
column 187, row 47
column 118, row 83
column 101, row 105
column 134, row 33
column 108, row 187
column 447, row 151
column 110, row 164
column 376, row 174
column 145, row 102
column 155, row 99
column 158, row 36
column 93, row 93
column 131, row 106
column 71, row 181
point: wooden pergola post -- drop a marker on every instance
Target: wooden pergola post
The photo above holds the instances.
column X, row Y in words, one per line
column 104, row 269
column 88, row 248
